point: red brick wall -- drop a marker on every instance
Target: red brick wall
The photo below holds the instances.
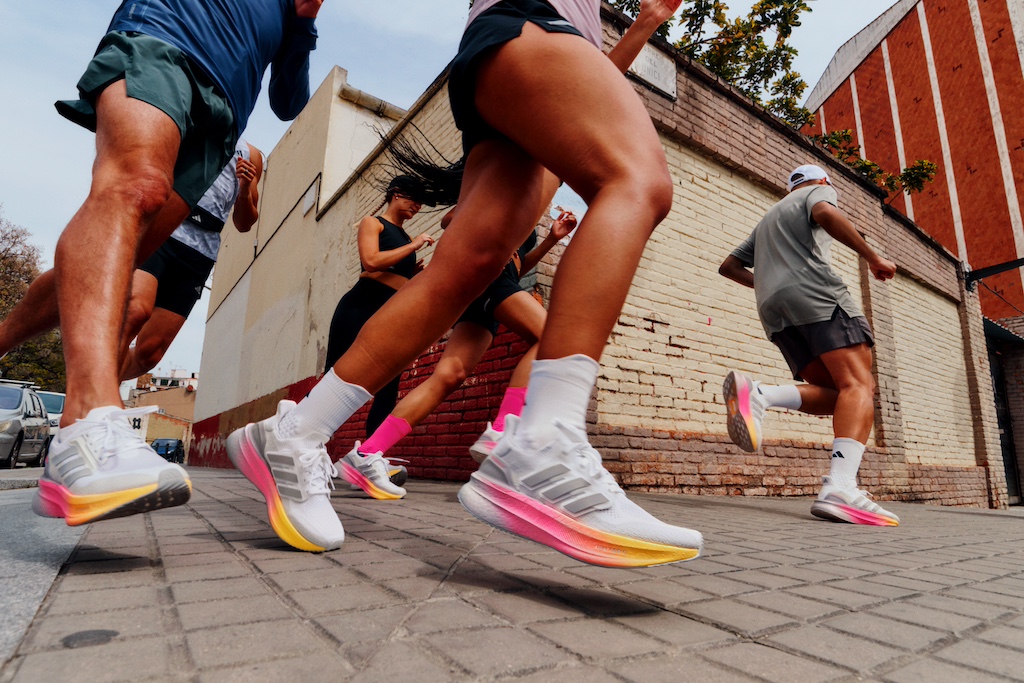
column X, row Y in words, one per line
column 975, row 159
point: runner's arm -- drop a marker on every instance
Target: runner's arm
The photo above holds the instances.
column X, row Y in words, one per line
column 562, row 226
column 836, row 224
column 246, row 210
column 289, row 72
column 653, row 13
column 734, row 269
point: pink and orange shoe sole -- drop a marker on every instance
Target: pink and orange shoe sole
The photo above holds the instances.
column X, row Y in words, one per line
column 247, row 459
column 355, row 477
column 741, row 425
column 837, row 512
column 54, row 500
column 517, row 514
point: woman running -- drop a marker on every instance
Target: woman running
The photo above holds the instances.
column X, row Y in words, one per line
column 531, row 90
column 388, row 258
column 504, row 302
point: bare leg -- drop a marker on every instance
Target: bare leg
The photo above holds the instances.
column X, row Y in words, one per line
column 819, row 394
column 140, row 308
column 137, row 145
column 615, row 161
column 152, row 342
column 524, row 315
column 850, row 369
column 462, row 352
column 35, row 314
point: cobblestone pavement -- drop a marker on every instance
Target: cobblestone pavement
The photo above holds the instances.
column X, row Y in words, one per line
column 422, row 592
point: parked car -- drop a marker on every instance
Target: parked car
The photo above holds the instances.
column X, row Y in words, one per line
column 171, row 450
column 54, row 404
column 24, row 425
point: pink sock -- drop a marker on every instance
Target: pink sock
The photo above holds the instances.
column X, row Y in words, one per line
column 511, row 404
column 390, row 432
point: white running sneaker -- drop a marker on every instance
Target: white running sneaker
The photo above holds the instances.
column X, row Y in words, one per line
column 562, row 496
column 485, row 444
column 850, row 505
column 397, row 472
column 294, row 477
column 371, row 474
column 100, row 468
column 746, row 408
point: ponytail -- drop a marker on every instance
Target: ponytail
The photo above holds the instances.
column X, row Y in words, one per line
column 441, row 180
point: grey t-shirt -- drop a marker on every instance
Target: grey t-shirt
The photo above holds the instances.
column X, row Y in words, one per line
column 794, row 283
column 218, row 200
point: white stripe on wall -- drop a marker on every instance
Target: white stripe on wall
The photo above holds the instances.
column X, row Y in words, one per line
column 897, row 126
column 947, row 158
column 1005, row 165
column 856, row 116
column 821, row 119
column 1016, row 9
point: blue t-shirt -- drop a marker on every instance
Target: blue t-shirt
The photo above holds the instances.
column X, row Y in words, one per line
column 234, row 41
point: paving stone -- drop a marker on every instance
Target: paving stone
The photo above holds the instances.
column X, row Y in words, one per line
column 104, row 600
column 981, row 610
column 90, row 582
column 673, row 669
column 665, row 592
column 790, row 605
column 206, row 572
column 1003, row 635
column 129, row 660
column 835, row 596
column 218, row 589
column 489, row 652
column 924, row 616
column 249, row 643
column 341, row 598
column 569, row 673
column 675, row 629
column 878, row 589
column 232, row 611
column 840, row 649
column 880, row 629
column 306, row 668
column 737, row 616
column 597, row 638
column 447, row 615
column 47, row 634
column 986, row 657
column 525, row 607
column 773, row 665
column 413, row 664
column 316, row 578
column 933, row 671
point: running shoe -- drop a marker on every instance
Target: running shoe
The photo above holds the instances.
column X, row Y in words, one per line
column 485, row 444
column 561, row 496
column 370, row 472
column 397, row 472
column 295, row 478
column 850, row 505
column 100, row 468
column 746, row 408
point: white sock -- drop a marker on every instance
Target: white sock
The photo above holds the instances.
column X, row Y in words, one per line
column 331, row 402
column 846, row 457
column 558, row 389
column 782, row 396
column 77, row 427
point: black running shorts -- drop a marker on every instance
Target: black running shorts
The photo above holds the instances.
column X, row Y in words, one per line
column 181, row 273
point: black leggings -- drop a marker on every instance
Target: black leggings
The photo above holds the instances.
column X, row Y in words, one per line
column 355, row 308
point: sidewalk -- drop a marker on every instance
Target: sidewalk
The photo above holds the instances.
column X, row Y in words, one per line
column 423, row 592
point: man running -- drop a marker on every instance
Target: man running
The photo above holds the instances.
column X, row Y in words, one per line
column 809, row 314
column 167, row 286
column 168, row 92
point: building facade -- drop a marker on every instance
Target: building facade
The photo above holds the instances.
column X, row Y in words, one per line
column 657, row 414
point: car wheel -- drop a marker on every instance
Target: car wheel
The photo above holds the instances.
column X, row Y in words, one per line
column 12, row 460
column 41, row 458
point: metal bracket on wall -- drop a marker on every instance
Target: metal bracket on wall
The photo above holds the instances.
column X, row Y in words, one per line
column 972, row 276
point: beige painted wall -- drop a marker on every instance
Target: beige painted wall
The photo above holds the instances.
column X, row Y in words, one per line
column 935, row 403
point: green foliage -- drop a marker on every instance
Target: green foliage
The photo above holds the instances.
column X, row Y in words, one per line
column 751, row 52
column 40, row 360
column 911, row 179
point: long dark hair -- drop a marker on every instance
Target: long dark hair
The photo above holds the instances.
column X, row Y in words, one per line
column 412, row 157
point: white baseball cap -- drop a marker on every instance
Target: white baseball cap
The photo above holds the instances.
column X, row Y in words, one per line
column 807, row 172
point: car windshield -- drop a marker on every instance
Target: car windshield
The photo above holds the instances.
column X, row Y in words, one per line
column 54, row 402
column 10, row 398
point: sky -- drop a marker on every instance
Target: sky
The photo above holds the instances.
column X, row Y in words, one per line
column 392, row 49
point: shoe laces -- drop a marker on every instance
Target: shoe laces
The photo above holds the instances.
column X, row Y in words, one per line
column 591, row 465
column 113, row 433
column 319, row 470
